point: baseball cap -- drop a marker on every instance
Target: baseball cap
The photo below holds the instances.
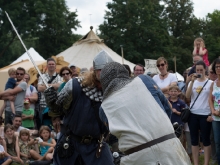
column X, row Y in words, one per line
column 26, row 101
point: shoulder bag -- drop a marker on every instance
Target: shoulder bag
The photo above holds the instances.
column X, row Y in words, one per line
column 185, row 112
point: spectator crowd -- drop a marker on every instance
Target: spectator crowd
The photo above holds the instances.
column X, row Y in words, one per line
column 29, row 131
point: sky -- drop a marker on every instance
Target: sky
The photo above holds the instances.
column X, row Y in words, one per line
column 91, row 12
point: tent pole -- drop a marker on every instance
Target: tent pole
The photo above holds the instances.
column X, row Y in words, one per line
column 122, row 54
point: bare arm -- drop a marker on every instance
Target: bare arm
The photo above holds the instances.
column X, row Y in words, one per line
column 211, row 101
column 194, row 51
column 33, row 98
column 201, row 51
column 2, row 108
column 41, row 87
column 11, row 92
column 52, row 144
column 189, row 89
column 17, row 148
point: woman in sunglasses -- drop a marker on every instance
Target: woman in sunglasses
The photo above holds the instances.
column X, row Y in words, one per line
column 66, row 74
column 164, row 79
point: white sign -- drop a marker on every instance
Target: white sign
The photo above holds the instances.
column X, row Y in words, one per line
column 151, row 66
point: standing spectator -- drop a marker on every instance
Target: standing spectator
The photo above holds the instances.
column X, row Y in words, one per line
column 164, row 79
column 196, row 58
column 199, row 112
column 27, row 115
column 66, row 74
column 74, row 70
column 177, row 104
column 138, row 69
column 199, row 49
column 11, row 83
column 53, row 79
column 31, row 92
column 19, row 91
column 214, row 103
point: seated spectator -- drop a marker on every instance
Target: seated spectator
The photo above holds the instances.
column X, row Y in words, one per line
column 17, row 126
column 4, row 160
column 12, row 148
column 27, row 147
column 27, row 115
column 48, row 144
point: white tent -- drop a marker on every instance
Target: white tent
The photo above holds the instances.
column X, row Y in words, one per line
column 82, row 52
column 35, row 55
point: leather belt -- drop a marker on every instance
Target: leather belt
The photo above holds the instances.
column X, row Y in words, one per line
column 150, row 143
column 84, row 139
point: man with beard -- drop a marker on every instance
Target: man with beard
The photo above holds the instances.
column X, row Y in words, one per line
column 145, row 133
column 81, row 139
column 19, row 91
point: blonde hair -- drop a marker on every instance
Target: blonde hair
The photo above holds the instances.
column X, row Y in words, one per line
column 11, row 70
column 175, row 87
column 24, row 132
column 89, row 79
column 162, row 59
column 42, row 128
column 199, row 39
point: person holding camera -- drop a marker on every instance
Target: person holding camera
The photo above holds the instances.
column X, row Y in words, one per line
column 199, row 119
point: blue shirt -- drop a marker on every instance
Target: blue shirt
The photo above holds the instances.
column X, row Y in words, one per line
column 178, row 105
column 11, row 83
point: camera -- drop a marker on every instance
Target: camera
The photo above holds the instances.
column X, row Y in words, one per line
column 198, row 75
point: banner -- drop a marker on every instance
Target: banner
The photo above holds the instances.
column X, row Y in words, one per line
column 151, row 66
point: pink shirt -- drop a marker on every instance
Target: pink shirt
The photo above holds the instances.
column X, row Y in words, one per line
column 204, row 57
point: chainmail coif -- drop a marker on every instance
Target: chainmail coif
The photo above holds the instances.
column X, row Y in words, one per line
column 113, row 77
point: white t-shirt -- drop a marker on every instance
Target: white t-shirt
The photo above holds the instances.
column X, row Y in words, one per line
column 30, row 93
column 201, row 106
column 1, row 148
column 165, row 82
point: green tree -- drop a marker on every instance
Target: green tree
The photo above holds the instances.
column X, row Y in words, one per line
column 212, row 34
column 138, row 26
column 44, row 24
column 183, row 28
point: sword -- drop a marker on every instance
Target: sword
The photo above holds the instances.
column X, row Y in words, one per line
column 27, row 51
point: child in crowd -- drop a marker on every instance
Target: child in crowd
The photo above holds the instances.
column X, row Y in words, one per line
column 199, row 49
column 48, row 144
column 27, row 115
column 4, row 160
column 11, row 83
column 27, row 146
column 12, row 147
column 177, row 104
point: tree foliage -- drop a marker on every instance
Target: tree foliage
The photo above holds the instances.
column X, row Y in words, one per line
column 153, row 28
column 45, row 25
column 135, row 24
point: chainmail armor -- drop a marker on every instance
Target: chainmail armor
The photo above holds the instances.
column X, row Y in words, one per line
column 113, row 77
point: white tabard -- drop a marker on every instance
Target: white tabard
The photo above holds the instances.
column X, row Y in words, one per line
column 135, row 118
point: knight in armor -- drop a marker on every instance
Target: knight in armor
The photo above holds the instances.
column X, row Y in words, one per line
column 145, row 133
column 82, row 134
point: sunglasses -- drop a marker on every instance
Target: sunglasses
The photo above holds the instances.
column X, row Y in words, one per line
column 160, row 65
column 65, row 74
column 21, row 74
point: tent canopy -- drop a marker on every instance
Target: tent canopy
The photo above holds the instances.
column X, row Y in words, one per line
column 82, row 52
column 35, row 55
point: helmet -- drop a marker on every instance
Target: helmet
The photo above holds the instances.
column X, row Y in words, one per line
column 101, row 59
